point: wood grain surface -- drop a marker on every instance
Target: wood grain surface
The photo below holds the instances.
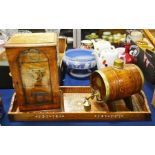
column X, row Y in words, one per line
column 34, row 71
column 73, row 110
column 114, row 84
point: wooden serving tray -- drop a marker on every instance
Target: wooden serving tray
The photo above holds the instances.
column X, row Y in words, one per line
column 73, row 109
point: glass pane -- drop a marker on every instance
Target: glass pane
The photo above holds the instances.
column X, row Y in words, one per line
column 35, row 76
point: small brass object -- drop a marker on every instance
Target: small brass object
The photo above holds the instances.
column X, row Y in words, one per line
column 87, row 102
column 118, row 63
column 87, row 105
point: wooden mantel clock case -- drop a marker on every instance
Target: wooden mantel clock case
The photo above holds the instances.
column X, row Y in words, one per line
column 33, row 65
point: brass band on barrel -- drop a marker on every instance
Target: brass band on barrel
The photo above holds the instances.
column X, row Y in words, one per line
column 107, row 86
column 141, row 74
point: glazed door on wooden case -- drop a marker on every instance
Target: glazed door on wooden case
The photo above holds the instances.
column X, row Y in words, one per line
column 35, row 75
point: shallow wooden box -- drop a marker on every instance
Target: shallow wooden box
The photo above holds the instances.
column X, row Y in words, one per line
column 73, row 109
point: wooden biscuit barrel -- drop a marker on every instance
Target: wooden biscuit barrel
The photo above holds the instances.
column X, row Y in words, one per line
column 117, row 82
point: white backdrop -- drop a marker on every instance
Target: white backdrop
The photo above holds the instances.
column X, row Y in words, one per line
column 48, row 14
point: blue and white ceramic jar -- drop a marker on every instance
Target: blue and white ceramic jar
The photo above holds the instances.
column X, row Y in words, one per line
column 80, row 62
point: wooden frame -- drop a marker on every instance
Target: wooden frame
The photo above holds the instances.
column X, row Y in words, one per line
column 14, row 48
column 62, row 44
column 67, row 115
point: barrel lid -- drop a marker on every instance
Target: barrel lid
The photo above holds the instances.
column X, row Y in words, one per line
column 118, row 63
column 32, row 39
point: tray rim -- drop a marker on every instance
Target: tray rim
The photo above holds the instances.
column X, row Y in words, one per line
column 76, row 89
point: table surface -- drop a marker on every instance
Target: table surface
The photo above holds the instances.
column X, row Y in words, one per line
column 7, row 94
